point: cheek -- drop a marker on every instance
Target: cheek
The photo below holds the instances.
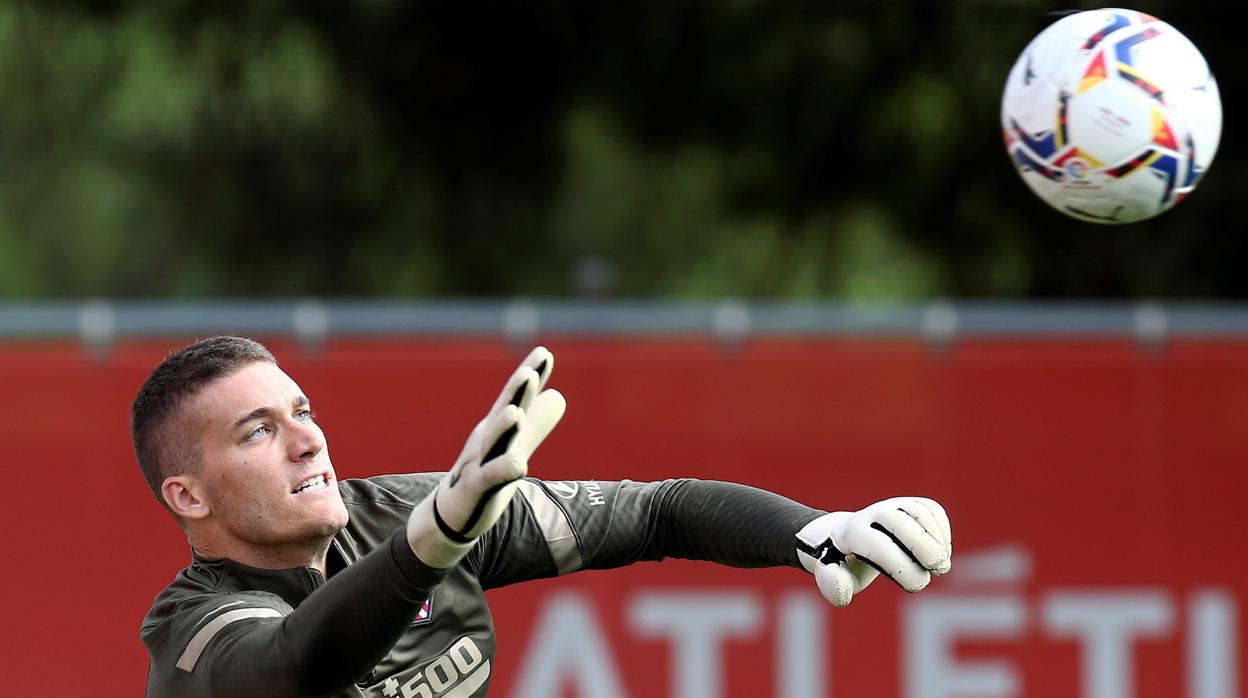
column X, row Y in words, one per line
column 230, row 478
column 242, row 485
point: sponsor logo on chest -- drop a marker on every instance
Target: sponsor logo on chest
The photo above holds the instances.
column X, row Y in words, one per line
column 457, row 673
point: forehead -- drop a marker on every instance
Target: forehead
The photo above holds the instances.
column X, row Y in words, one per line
column 258, row 384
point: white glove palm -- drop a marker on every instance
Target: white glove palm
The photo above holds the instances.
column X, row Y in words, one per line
column 474, row 493
column 906, row 538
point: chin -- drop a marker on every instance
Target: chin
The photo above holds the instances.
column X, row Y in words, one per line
column 331, row 510
column 326, row 531
column 317, row 532
column 320, row 526
column 332, row 519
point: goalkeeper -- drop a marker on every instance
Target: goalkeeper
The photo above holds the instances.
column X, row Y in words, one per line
column 303, row 585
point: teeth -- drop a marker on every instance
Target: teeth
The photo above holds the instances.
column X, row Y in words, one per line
column 312, row 483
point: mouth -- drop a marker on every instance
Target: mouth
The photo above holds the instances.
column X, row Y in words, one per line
column 317, row 482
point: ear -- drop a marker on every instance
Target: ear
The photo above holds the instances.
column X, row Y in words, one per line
column 184, row 496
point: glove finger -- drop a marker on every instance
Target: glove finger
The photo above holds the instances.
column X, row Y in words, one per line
column 498, row 433
column 541, row 361
column 913, row 538
column 937, row 512
column 836, row 583
column 539, row 420
column 942, row 519
column 926, row 517
column 880, row 551
column 519, row 390
column 863, row 573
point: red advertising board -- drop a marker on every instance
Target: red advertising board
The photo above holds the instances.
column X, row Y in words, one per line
column 1095, row 491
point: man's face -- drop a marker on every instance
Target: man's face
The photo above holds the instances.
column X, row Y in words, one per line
column 261, row 454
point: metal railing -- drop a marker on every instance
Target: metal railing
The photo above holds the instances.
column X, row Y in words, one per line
column 101, row 322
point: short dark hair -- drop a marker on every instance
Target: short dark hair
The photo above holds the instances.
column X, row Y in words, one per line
column 160, row 452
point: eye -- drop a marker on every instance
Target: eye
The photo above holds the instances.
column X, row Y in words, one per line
column 305, row 416
column 258, row 433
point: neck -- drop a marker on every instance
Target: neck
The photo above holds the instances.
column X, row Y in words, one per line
column 275, row 557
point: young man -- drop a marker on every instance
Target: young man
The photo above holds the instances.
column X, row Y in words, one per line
column 303, row 585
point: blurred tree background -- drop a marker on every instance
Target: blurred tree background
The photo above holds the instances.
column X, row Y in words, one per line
column 752, row 148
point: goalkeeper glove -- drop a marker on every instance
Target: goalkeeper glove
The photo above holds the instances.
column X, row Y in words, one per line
column 474, row 493
column 905, row 538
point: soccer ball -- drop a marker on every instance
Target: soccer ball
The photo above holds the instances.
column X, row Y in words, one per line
column 1111, row 116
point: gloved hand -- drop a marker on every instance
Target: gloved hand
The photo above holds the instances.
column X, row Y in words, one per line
column 905, row 538
column 474, row 493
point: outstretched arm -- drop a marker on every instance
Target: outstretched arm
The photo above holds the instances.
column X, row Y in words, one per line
column 600, row 525
column 556, row 528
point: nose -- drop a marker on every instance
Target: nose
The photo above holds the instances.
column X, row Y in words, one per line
column 306, row 440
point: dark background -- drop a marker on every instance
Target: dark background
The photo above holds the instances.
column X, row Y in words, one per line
column 757, row 149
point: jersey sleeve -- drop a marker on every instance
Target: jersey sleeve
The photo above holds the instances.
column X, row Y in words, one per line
column 254, row 644
column 554, row 528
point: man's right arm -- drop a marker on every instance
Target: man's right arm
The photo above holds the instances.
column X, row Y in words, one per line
column 245, row 647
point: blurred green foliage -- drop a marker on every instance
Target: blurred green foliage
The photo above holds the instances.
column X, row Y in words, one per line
column 748, row 148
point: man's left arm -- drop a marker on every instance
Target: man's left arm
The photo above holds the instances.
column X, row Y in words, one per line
column 561, row 527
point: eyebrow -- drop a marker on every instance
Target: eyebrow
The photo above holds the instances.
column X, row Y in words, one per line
column 301, row 401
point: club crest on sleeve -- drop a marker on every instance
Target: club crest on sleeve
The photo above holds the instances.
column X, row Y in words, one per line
column 425, row 612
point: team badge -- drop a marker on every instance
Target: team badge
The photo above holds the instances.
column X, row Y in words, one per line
column 425, row 612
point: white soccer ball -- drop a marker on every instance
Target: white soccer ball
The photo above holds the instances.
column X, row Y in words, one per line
column 1111, row 116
